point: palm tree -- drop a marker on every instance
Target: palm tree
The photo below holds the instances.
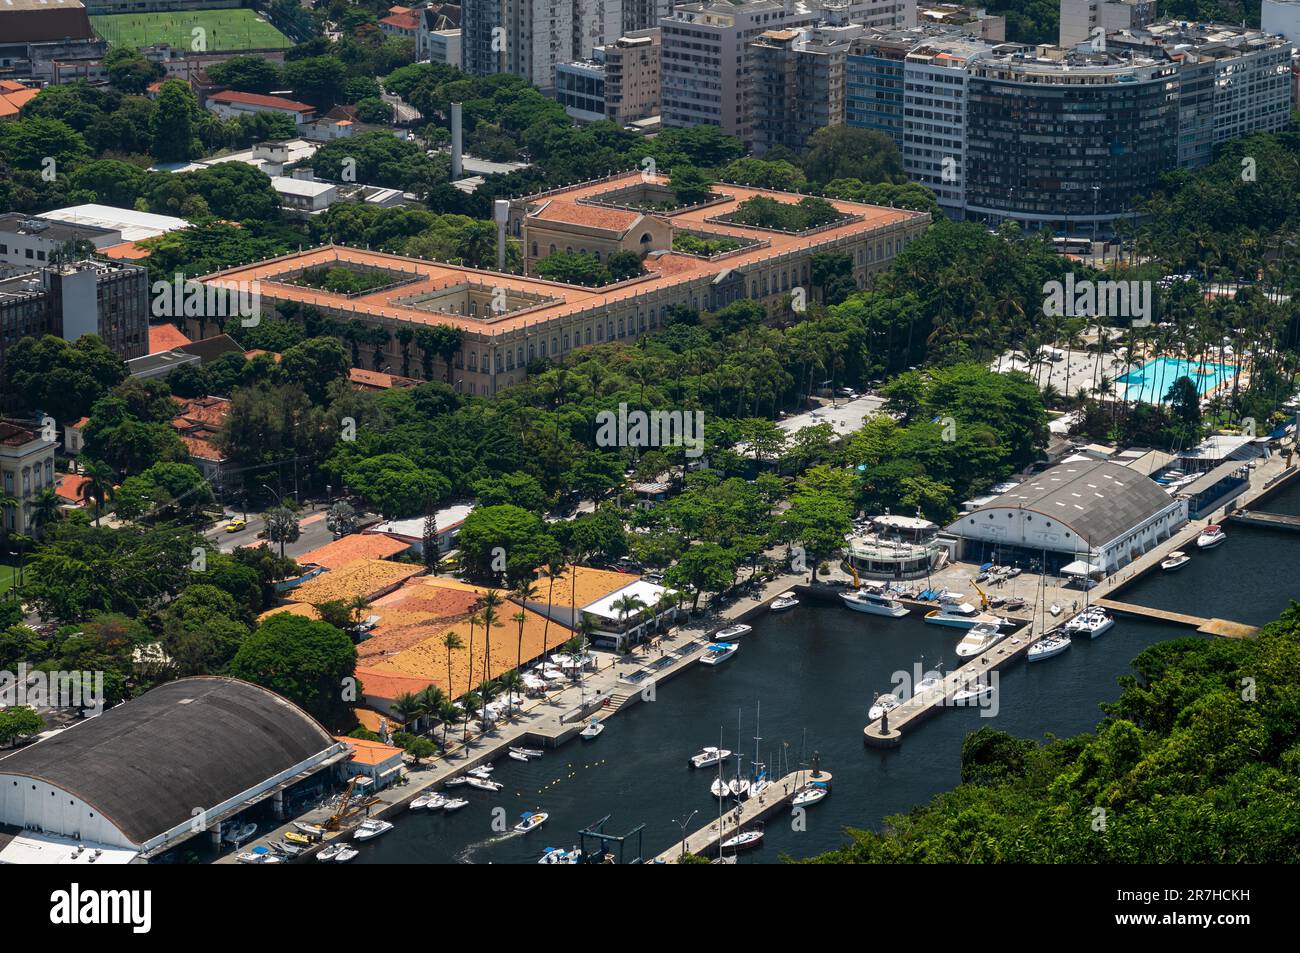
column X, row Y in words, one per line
column 98, row 485
column 491, row 599
column 452, row 643
column 46, row 508
column 407, row 708
column 475, row 618
column 512, row 683
column 626, row 606
column 430, row 698
column 553, row 569
column 471, row 701
column 447, row 714
column 7, row 502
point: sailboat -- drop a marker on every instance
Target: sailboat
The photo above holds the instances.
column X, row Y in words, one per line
column 737, row 787
column 760, row 782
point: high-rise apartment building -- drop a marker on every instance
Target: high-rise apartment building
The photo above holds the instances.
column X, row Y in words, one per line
column 529, row 38
column 1081, row 19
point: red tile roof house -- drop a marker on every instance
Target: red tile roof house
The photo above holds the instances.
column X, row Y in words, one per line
column 401, row 22
column 197, row 422
column 232, row 105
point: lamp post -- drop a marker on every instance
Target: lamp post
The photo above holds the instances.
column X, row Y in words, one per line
column 683, row 825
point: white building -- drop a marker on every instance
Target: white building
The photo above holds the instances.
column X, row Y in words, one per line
column 411, row 531
column 1089, row 511
column 231, row 104
column 530, row 38
column 40, row 239
column 1080, row 19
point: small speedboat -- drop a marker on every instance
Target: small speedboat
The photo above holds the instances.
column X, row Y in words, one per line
column 744, row 840
column 530, row 822
column 289, row 850
column 1014, row 604
column 783, row 602
column 873, row 602
column 422, row 802
column 1052, row 644
column 294, row 837
column 253, row 857
column 455, row 804
column 1175, row 560
column 238, row 835
column 731, row 632
column 884, row 703
column 517, row 755
column 1210, row 537
column 311, row 830
column 1091, row 622
column 346, row 854
column 931, row 681
column 483, row 784
column 814, row 792
column 592, row 731
column 719, row 652
column 482, row 771
column 960, row 615
column 369, row 830
column 708, row 757
column 558, row 855
column 977, row 639
column 436, row 801
column 456, row 781
column 329, row 852
column 528, row 753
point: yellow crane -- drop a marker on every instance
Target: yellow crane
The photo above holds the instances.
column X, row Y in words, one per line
column 335, row 820
column 984, row 600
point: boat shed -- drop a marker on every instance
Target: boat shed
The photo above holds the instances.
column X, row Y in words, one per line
column 1092, row 510
column 150, row 774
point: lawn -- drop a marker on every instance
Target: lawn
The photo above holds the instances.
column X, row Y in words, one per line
column 7, row 576
column 237, row 29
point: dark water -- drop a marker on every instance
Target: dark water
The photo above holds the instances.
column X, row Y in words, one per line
column 1250, row 578
column 1287, row 502
column 813, row 669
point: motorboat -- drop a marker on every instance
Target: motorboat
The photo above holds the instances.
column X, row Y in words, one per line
column 592, row 731
column 1014, row 604
column 346, row 854
column 311, row 830
column 558, row 855
column 783, row 603
column 518, row 756
column 369, row 830
column 960, row 615
column 329, row 852
column 528, row 753
column 815, row 791
column 481, row 771
column 294, row 837
column 436, row 802
column 972, row 691
column 1175, row 560
column 731, row 632
column 455, row 804
column 978, row 639
column 708, row 757
column 1056, row 609
column 1210, row 537
column 1052, row 644
column 422, row 802
column 238, row 835
column 719, row 652
column 456, row 781
column 483, row 784
column 530, row 821
column 873, row 602
column 288, row 850
column 744, row 840
column 253, row 857
column 883, row 704
column 1091, row 622
column 930, row 681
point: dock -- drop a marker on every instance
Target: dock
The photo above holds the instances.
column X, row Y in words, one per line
column 1223, row 627
column 920, row 707
column 752, row 810
column 1266, row 520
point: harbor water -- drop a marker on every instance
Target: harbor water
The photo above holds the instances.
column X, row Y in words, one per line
column 814, row 670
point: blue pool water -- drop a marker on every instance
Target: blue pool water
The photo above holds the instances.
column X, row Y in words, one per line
column 1150, row 382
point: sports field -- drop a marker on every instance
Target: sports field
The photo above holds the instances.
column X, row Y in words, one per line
column 236, row 29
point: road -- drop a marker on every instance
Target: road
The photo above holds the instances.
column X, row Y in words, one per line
column 402, row 112
column 312, row 525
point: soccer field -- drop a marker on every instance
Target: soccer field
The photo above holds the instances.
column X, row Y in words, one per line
column 237, row 29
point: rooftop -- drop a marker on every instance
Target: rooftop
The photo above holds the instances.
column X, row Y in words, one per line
column 259, row 100
column 368, row 578
column 164, row 337
column 350, row 549
column 134, row 226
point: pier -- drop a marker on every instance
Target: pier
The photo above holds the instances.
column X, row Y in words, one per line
column 1223, row 627
column 1267, row 520
column 920, row 707
column 778, row 796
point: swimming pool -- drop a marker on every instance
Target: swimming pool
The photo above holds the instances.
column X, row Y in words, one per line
column 1150, row 382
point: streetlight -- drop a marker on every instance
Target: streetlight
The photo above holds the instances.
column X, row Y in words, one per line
column 683, row 825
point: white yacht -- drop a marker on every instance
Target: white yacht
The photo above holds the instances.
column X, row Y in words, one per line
column 978, row 639
column 1175, row 560
column 971, row 691
column 422, row 802
column 744, row 840
column 930, row 681
column 558, row 855
column 815, row 791
column 731, row 632
column 483, row 784
column 961, row 615
column 719, row 652
column 369, row 830
column 784, row 602
column 708, row 757
column 1051, row 644
column 1091, row 622
column 873, row 602
column 455, row 804
column 884, row 703
column 1210, row 537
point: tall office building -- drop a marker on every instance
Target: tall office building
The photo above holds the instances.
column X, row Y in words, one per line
column 529, row 38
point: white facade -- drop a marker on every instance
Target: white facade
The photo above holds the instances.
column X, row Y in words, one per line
column 438, row 46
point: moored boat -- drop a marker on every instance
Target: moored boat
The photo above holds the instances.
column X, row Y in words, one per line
column 814, row 792
column 558, row 855
column 873, row 602
column 784, row 602
column 731, row 632
column 959, row 615
column 593, row 730
column 884, row 703
column 346, row 854
column 455, row 804
column 1210, row 537
column 1175, row 560
column 1051, row 644
column 483, row 784
column 329, row 852
column 743, row 840
column 719, row 652
column 369, row 830
column 708, row 757
column 1091, row 622
column 978, row 639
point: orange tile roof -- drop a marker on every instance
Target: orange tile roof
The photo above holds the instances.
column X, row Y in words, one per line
column 164, row 337
column 13, row 97
column 403, row 21
column 369, row 753
column 257, row 99
column 389, row 685
column 72, row 487
column 202, row 449
column 592, row 585
column 592, row 216
column 566, row 299
column 369, row 578
column 362, row 379
column 349, row 549
column 306, row 610
column 127, row 251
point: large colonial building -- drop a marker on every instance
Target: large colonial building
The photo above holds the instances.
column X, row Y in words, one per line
column 510, row 320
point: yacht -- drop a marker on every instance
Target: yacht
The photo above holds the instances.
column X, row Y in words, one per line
column 884, row 703
column 971, row 691
column 719, row 652
column 422, row 802
column 744, row 840
column 978, row 639
column 731, row 632
column 784, row 602
column 1175, row 560
column 483, row 784
column 530, row 821
column 708, row 757
column 1091, row 622
column 369, row 830
column 592, row 731
column 238, row 835
column 481, row 771
column 959, row 615
column 1014, row 604
column 1051, row 644
column 815, row 791
column 874, row 602
column 1210, row 537
column 346, row 854
column 930, row 681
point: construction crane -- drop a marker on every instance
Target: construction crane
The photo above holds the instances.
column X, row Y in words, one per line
column 335, row 820
column 984, row 600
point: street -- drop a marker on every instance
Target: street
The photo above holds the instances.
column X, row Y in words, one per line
column 312, row 524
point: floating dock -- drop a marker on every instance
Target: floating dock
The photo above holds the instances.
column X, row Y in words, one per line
column 778, row 796
column 1266, row 520
column 1223, row 627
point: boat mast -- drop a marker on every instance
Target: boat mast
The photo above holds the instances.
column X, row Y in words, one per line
column 757, row 737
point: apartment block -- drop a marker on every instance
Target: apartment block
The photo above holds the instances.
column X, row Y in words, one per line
column 798, row 83
column 530, row 38
column 1082, row 19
